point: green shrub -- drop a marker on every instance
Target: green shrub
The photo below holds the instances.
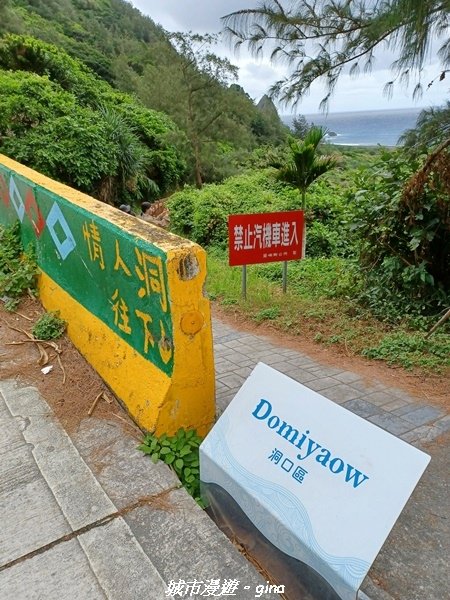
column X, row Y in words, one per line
column 202, row 215
column 322, row 240
column 413, row 350
column 317, row 277
column 181, row 453
column 403, row 223
column 49, row 326
column 18, row 269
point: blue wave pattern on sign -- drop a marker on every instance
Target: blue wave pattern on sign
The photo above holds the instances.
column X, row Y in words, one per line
column 291, row 522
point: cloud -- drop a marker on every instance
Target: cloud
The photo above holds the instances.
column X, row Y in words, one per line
column 195, row 15
column 257, row 76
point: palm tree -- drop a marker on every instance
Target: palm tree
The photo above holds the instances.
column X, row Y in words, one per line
column 305, row 165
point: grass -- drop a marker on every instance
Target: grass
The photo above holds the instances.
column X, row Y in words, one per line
column 318, row 306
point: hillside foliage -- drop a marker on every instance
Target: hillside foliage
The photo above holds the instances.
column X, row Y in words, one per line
column 134, row 55
column 59, row 118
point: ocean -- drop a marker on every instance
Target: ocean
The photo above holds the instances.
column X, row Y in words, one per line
column 364, row 128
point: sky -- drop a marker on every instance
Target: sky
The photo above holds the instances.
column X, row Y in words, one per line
column 256, row 76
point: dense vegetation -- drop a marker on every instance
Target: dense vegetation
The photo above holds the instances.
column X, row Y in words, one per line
column 376, row 273
column 99, row 97
column 59, row 118
column 179, row 75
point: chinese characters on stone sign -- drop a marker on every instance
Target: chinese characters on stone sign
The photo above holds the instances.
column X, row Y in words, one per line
column 265, row 237
column 287, row 465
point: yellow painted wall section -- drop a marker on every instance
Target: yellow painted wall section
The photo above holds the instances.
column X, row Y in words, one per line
column 88, row 253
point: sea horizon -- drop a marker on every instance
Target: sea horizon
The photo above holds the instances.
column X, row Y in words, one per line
column 363, row 127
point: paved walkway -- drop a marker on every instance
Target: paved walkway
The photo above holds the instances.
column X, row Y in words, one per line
column 236, row 354
column 413, row 563
column 91, row 517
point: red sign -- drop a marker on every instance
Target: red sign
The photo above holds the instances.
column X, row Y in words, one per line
column 265, row 237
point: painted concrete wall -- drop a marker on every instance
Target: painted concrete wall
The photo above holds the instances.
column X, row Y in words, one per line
column 132, row 295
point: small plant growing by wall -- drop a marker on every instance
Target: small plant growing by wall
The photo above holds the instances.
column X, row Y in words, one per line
column 180, row 452
column 18, row 269
column 49, row 326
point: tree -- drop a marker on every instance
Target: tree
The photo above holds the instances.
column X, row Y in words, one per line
column 204, row 76
column 300, row 126
column 432, row 128
column 347, row 34
column 305, row 165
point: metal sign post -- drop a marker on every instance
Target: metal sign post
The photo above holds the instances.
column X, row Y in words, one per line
column 244, row 282
column 284, row 276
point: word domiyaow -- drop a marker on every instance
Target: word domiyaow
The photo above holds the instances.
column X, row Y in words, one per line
column 308, row 446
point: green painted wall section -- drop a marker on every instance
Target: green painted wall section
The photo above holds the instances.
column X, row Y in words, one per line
column 120, row 278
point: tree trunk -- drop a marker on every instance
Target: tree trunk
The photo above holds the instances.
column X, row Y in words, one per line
column 194, row 141
column 198, row 171
column 304, row 224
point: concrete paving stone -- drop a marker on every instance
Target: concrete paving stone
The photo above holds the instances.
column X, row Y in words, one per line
column 247, row 350
column 234, row 344
column 229, row 337
column 395, row 404
column 248, row 340
column 286, row 368
column 289, row 353
column 398, row 393
column 261, row 356
column 362, row 408
column 23, row 400
column 299, row 361
column 30, row 519
column 408, row 407
column 221, row 348
column 391, row 423
column 238, row 358
column 232, row 380
column 243, row 372
column 17, row 467
column 341, row 393
column 366, row 387
column 184, row 543
column 443, row 424
column 61, row 573
column 229, row 393
column 300, row 375
column 348, row 377
column 331, row 372
column 248, row 363
column 122, row 568
column 379, row 398
column 75, row 488
column 123, row 471
column 226, row 391
column 220, row 387
column 253, row 343
column 218, row 358
column 274, row 359
column 423, row 415
column 322, row 383
column 321, row 371
column 421, row 436
column 224, row 366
